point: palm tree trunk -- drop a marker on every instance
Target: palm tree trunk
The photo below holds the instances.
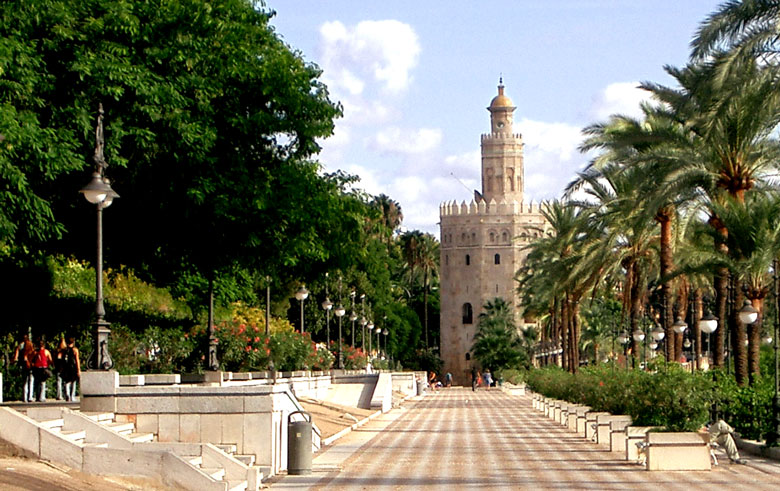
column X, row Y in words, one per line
column 754, row 341
column 636, row 312
column 738, row 348
column 575, row 327
column 564, row 335
column 698, row 306
column 664, row 218
column 721, row 298
column 425, row 304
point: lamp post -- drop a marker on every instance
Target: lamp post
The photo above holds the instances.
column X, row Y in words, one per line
column 385, row 332
column 352, row 314
column 327, row 305
column 623, row 339
column 378, row 331
column 773, row 438
column 708, row 324
column 98, row 192
column 301, row 295
column 362, row 323
column 267, row 305
column 370, row 327
column 679, row 327
column 340, row 358
column 639, row 336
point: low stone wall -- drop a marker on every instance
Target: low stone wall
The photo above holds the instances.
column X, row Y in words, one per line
column 249, row 410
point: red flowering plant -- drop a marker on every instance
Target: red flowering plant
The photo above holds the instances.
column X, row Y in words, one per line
column 354, row 358
column 321, row 358
column 241, row 347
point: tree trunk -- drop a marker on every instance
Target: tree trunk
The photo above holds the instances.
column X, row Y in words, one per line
column 636, row 312
column 754, row 341
column 564, row 335
column 698, row 306
column 738, row 348
column 721, row 298
column 663, row 217
column 425, row 304
column 575, row 333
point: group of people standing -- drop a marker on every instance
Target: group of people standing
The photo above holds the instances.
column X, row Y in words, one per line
column 478, row 379
column 37, row 366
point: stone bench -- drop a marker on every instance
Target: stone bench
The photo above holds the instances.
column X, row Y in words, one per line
column 590, row 423
column 563, row 418
column 582, row 412
column 555, row 415
column 573, row 413
column 677, row 452
column 617, row 435
column 634, row 435
column 604, row 427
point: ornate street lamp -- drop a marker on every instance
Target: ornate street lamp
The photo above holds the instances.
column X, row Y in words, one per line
column 708, row 324
column 301, row 295
column 679, row 326
column 748, row 314
column 385, row 332
column 362, row 323
column 378, row 331
column 98, row 192
column 340, row 313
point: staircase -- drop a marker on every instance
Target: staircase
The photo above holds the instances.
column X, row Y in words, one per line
column 97, row 443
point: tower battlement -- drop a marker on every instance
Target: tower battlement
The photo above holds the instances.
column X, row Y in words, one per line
column 503, row 207
column 501, row 136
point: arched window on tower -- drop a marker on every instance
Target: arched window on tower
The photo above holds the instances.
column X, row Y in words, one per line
column 504, row 237
column 497, row 259
column 492, row 237
column 446, row 259
column 468, row 260
column 468, row 314
column 468, row 356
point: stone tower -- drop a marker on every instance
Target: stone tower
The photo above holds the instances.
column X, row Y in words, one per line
column 482, row 241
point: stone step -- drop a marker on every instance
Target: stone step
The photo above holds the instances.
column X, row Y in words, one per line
column 99, row 417
column 141, row 437
column 245, row 459
column 52, row 424
column 97, row 445
column 236, row 485
column 228, row 448
column 77, row 436
column 195, row 460
column 121, row 428
column 217, row 473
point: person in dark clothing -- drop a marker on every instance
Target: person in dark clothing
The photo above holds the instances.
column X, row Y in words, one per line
column 474, row 378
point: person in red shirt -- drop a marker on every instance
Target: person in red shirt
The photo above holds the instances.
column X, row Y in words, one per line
column 41, row 366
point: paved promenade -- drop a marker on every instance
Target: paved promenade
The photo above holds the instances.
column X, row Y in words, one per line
column 459, row 439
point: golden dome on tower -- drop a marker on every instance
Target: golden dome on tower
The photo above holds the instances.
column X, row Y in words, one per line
column 501, row 100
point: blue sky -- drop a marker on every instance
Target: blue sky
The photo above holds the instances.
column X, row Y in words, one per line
column 415, row 78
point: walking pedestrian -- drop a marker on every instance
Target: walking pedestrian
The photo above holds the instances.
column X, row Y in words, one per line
column 58, row 365
column 474, row 378
column 488, row 378
column 71, row 373
column 23, row 356
column 41, row 365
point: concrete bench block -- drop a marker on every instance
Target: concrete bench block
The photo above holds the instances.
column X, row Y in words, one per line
column 591, row 419
column 604, row 427
column 617, row 435
column 677, row 452
column 635, row 434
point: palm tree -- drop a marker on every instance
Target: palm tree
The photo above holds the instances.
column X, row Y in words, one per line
column 496, row 343
column 390, row 215
column 421, row 253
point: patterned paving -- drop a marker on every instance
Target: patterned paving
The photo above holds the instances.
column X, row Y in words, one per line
column 459, row 439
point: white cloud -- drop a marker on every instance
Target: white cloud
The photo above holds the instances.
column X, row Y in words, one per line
column 384, row 51
column 618, row 98
column 403, row 141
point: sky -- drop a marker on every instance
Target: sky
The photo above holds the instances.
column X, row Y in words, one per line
column 415, row 78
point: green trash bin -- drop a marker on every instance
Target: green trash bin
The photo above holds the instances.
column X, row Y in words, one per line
column 299, row 444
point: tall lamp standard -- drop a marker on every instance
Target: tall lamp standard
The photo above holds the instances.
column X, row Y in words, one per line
column 623, row 339
column 327, row 305
column 340, row 313
column 363, row 322
column 708, row 324
column 98, row 192
column 301, row 295
column 639, row 336
column 773, row 438
column 679, row 327
column 385, row 332
column 370, row 327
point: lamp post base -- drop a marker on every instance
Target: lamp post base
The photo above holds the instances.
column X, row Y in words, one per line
column 100, row 358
